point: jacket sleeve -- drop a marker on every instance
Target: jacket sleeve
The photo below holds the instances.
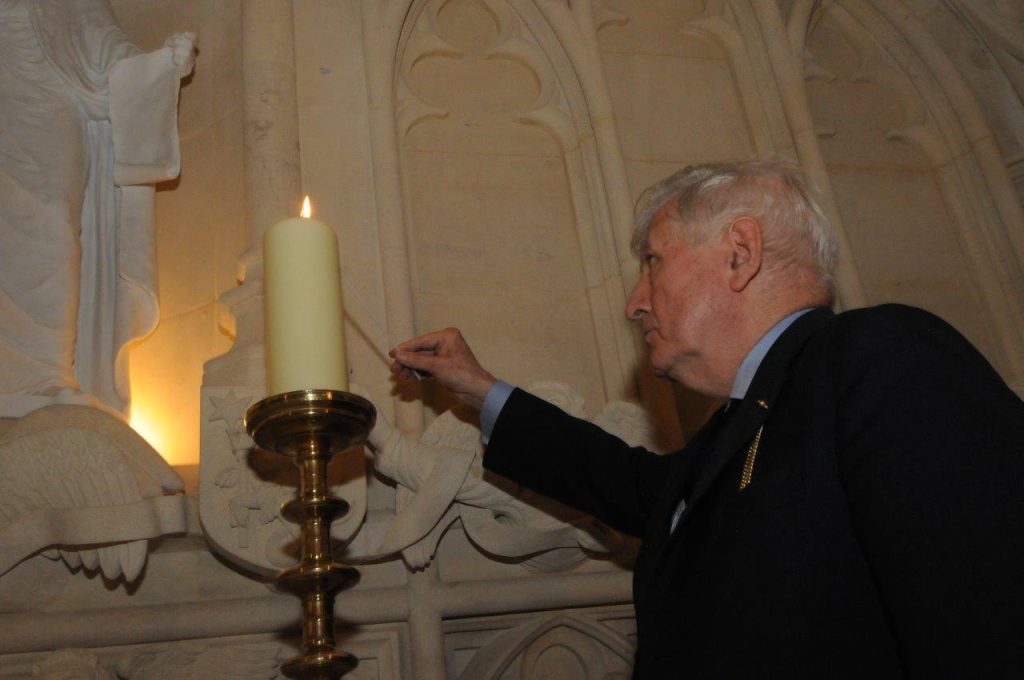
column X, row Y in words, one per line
column 575, row 462
column 930, row 444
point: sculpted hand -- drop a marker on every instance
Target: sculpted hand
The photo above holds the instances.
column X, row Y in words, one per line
column 183, row 51
column 445, row 356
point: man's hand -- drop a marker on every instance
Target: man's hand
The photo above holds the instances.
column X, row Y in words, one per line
column 447, row 358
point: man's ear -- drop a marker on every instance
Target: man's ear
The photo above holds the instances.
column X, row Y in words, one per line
column 746, row 249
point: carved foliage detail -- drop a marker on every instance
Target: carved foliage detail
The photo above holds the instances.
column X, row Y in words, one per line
column 253, row 502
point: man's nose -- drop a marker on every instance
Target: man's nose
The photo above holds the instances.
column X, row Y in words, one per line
column 639, row 300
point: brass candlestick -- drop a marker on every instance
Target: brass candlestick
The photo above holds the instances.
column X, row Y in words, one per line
column 311, row 426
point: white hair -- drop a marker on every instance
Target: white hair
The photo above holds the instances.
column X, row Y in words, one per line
column 706, row 198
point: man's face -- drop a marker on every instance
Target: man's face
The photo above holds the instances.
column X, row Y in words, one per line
column 678, row 302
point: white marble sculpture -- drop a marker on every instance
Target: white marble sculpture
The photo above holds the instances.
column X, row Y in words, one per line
column 80, row 484
column 443, row 480
column 88, row 125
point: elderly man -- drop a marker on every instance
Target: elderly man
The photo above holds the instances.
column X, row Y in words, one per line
column 855, row 509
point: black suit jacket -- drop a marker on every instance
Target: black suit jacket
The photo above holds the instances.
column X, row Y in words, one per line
column 882, row 533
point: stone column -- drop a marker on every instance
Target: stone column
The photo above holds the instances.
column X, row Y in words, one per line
column 792, row 93
column 382, row 22
column 273, row 178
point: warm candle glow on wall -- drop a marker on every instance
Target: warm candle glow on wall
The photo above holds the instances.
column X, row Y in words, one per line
column 151, row 429
column 166, row 376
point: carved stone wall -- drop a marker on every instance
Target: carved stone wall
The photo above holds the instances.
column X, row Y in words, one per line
column 479, row 160
column 897, row 124
column 500, row 211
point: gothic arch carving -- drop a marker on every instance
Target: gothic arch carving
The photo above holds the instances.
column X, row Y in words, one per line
column 541, row 38
column 943, row 121
column 579, row 642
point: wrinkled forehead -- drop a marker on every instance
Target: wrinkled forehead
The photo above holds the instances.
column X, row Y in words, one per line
column 665, row 227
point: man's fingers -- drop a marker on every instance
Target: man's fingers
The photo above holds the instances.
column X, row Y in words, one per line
column 428, row 342
column 406, row 362
column 401, row 372
column 448, row 340
column 418, row 345
column 420, row 361
column 442, row 353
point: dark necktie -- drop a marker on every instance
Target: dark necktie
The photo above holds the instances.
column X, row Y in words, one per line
column 715, row 426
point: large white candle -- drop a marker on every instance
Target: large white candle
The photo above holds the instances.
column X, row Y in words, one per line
column 302, row 287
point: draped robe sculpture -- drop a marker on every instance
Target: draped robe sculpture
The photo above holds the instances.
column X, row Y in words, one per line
column 87, row 126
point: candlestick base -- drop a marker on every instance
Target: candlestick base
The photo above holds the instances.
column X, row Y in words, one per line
column 311, row 426
column 325, row 666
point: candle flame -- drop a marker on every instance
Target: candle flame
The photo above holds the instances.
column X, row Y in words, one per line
column 307, row 211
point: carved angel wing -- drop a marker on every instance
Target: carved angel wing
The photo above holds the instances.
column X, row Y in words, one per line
column 80, row 480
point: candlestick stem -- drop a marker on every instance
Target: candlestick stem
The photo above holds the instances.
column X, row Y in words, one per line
column 311, row 426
